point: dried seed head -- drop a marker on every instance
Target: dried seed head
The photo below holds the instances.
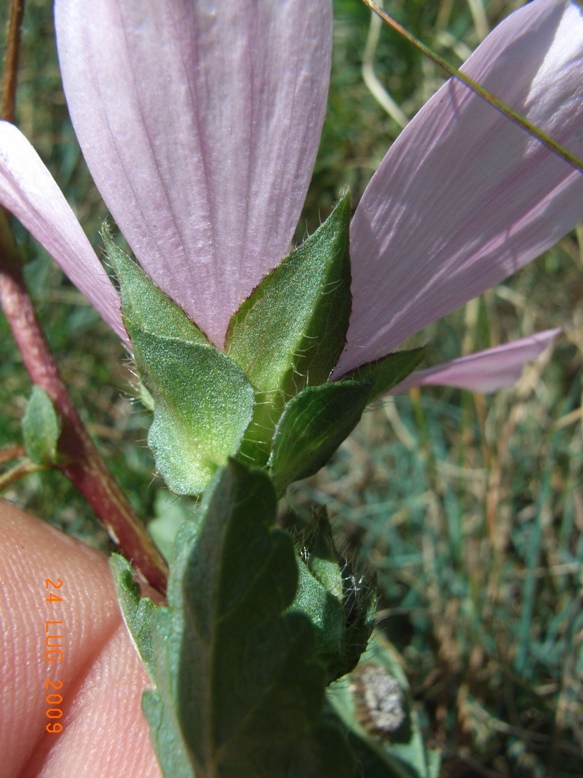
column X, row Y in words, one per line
column 379, row 699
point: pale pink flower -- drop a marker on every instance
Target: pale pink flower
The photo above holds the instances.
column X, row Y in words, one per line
column 200, row 123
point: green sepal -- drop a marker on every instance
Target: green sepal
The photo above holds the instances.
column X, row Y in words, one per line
column 292, row 328
column 238, row 688
column 144, row 305
column 375, row 704
column 40, row 428
column 201, row 400
column 312, row 427
column 387, row 371
column 290, row 331
column 202, row 406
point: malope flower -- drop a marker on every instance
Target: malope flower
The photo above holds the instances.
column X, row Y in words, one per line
column 200, row 123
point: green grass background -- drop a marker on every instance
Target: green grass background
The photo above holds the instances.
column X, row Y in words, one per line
column 469, row 508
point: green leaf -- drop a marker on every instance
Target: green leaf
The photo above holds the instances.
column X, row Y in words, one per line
column 375, row 704
column 312, row 427
column 174, row 758
column 138, row 614
column 144, row 305
column 202, row 406
column 388, row 371
column 291, row 330
column 40, row 428
column 238, row 690
column 137, row 611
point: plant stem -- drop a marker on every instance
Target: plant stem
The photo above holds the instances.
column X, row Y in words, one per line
column 22, row 469
column 9, row 79
column 82, row 463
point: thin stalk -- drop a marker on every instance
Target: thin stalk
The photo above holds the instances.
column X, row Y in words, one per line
column 370, row 78
column 494, row 101
column 82, row 463
column 22, row 469
column 9, row 78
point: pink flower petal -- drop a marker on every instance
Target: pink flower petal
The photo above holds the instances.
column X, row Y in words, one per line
column 464, row 197
column 28, row 190
column 200, row 123
column 485, row 372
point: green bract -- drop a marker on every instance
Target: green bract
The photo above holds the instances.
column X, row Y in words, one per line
column 312, row 427
column 202, row 401
column 387, row 372
column 267, row 400
column 291, row 331
column 202, row 406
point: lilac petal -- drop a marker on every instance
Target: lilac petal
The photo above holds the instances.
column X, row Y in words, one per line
column 28, row 190
column 200, row 123
column 464, row 197
column 485, row 372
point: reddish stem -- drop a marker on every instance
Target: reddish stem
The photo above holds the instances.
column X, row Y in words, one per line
column 82, row 463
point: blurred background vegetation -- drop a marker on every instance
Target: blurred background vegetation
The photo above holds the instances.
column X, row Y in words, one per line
column 469, row 507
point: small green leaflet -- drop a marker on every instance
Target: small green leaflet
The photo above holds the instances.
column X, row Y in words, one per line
column 40, row 428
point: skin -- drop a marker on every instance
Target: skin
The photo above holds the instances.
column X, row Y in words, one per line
column 104, row 733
